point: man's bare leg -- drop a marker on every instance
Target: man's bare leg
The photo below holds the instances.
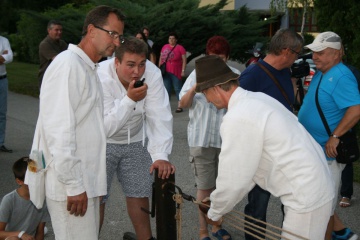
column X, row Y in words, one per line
column 139, row 218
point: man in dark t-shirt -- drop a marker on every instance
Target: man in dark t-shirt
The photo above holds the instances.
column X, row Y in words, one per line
column 51, row 46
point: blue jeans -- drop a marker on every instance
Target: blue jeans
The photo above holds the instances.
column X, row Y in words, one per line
column 3, row 108
column 258, row 200
column 170, row 81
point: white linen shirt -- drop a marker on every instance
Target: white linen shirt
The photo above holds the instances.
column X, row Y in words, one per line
column 5, row 46
column 126, row 119
column 204, row 118
column 264, row 144
column 71, row 127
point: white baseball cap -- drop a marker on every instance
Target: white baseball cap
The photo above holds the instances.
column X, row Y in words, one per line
column 325, row 40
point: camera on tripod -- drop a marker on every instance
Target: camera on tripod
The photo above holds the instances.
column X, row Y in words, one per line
column 300, row 69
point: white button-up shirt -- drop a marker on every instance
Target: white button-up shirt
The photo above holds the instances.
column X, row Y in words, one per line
column 127, row 121
column 71, row 127
column 264, row 144
column 205, row 119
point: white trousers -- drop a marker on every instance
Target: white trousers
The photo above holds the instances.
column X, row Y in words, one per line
column 336, row 170
column 70, row 227
column 311, row 225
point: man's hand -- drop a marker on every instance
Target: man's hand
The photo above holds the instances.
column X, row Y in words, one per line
column 330, row 147
column 77, row 204
column 164, row 168
column 26, row 236
column 137, row 94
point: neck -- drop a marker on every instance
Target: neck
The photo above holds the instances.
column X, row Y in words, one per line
column 275, row 61
column 89, row 49
column 23, row 192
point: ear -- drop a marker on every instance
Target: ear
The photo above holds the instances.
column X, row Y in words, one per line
column 19, row 182
column 91, row 30
column 117, row 62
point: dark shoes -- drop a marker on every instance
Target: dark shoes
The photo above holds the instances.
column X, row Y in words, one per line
column 4, row 149
column 179, row 110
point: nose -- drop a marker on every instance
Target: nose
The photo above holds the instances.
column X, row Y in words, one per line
column 116, row 42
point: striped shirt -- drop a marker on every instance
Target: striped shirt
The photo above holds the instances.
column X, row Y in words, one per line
column 205, row 118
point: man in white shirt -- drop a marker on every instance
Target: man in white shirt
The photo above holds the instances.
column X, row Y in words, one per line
column 135, row 116
column 287, row 163
column 71, row 127
column 6, row 56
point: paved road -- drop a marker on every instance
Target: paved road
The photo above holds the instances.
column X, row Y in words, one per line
column 22, row 115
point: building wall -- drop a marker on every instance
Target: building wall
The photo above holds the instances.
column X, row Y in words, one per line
column 229, row 6
column 262, row 6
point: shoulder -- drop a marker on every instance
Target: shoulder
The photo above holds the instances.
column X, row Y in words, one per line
column 8, row 198
column 106, row 71
column 4, row 40
column 181, row 48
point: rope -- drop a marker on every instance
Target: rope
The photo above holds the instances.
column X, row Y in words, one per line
column 253, row 227
column 178, row 216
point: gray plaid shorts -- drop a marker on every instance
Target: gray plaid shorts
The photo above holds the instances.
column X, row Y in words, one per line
column 132, row 163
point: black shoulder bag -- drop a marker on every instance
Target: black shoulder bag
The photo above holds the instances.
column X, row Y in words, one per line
column 163, row 65
column 348, row 149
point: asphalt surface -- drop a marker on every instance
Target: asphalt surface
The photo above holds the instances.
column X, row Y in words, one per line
column 21, row 120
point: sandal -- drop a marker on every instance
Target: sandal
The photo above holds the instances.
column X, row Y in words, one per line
column 179, row 110
column 345, row 202
column 221, row 233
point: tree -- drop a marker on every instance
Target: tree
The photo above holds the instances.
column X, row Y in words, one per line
column 194, row 25
column 341, row 17
column 283, row 5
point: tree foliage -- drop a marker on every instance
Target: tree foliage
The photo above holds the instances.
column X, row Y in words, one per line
column 194, row 25
column 341, row 17
column 283, row 5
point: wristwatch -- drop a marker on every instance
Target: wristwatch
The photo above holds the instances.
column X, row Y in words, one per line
column 334, row 136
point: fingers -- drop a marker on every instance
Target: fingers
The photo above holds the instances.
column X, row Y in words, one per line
column 77, row 205
column 166, row 171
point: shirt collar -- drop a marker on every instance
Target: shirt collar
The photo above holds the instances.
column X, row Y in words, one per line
column 83, row 56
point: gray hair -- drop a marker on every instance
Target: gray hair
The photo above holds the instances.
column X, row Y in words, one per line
column 285, row 38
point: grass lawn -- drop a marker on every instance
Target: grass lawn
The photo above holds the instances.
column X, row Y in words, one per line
column 23, row 79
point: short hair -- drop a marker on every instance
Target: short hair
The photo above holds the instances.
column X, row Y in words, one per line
column 218, row 45
column 174, row 35
column 285, row 38
column 142, row 35
column 99, row 16
column 19, row 168
column 145, row 28
column 53, row 22
column 228, row 85
column 131, row 45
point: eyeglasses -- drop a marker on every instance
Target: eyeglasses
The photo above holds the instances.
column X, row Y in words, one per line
column 113, row 34
column 297, row 53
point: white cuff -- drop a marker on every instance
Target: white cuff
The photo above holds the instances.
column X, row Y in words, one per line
column 20, row 234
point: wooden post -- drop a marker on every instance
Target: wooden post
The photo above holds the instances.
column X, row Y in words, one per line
column 165, row 208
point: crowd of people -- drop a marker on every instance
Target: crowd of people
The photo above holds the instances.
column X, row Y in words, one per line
column 105, row 111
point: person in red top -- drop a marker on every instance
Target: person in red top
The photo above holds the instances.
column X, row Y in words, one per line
column 175, row 57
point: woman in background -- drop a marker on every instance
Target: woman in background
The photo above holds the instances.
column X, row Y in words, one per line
column 175, row 65
column 151, row 55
